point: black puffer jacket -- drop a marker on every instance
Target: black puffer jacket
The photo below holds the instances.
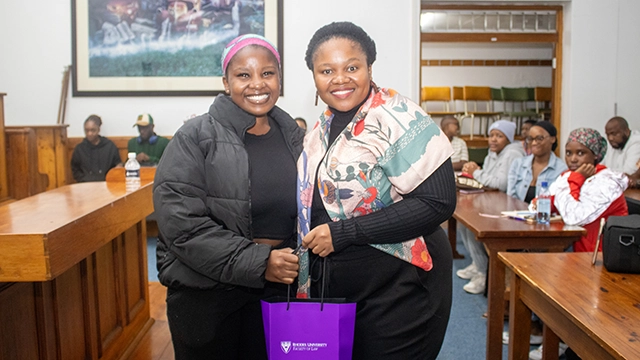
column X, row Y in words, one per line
column 201, row 196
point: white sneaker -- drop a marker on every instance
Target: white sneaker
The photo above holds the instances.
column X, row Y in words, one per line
column 536, row 354
column 468, row 272
column 533, row 339
column 477, row 284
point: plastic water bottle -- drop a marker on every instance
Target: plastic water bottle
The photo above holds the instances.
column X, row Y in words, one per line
column 544, row 204
column 132, row 172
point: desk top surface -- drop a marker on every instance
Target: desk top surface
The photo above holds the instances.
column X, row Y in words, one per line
column 44, row 235
column 603, row 304
column 491, row 225
column 50, row 210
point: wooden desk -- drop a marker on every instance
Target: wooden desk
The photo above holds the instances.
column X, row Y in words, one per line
column 633, row 200
column 594, row 311
column 501, row 234
column 73, row 272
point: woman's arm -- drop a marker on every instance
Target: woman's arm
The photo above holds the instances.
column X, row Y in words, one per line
column 583, row 206
column 188, row 230
column 497, row 177
column 420, row 212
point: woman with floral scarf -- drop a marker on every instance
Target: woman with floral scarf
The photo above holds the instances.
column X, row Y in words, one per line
column 375, row 182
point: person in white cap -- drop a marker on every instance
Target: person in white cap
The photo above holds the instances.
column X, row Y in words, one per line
column 148, row 146
column 494, row 174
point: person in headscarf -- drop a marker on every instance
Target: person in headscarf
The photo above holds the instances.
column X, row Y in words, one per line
column 588, row 191
column 225, row 198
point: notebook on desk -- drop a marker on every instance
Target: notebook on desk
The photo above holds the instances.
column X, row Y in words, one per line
column 526, row 215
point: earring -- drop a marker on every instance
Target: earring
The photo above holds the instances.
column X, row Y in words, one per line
column 226, row 90
column 316, row 98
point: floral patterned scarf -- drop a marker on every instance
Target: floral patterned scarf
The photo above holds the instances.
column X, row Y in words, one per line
column 390, row 147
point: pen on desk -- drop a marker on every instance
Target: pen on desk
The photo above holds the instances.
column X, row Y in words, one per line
column 595, row 251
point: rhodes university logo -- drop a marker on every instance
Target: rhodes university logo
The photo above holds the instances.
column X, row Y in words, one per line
column 285, row 346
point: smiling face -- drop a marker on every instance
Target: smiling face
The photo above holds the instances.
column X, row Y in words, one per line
column 497, row 141
column 577, row 154
column 341, row 73
column 253, row 80
column 541, row 142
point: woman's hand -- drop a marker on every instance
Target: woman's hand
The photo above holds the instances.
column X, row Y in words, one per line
column 470, row 167
column 319, row 240
column 587, row 170
column 282, row 266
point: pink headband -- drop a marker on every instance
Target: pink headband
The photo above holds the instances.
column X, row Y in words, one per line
column 243, row 41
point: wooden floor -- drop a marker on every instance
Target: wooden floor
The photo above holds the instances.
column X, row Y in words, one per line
column 156, row 343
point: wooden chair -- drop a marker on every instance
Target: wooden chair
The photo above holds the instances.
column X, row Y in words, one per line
column 472, row 96
column 117, row 174
column 543, row 95
column 441, row 94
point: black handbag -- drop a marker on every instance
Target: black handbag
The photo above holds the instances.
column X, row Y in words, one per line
column 621, row 244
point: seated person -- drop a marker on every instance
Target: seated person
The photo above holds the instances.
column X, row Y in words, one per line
column 586, row 193
column 302, row 123
column 589, row 191
column 148, row 146
column 503, row 151
column 542, row 165
column 451, row 127
column 524, row 132
column 624, row 146
column 95, row 155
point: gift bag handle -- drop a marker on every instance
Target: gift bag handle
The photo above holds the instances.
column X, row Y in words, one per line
column 324, row 271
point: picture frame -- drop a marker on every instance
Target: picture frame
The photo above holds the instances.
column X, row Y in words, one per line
column 161, row 47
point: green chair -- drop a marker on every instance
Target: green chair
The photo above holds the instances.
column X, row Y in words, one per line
column 477, row 154
column 515, row 105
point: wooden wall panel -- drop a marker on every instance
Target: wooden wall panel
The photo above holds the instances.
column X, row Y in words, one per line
column 69, row 310
column 134, row 271
column 18, row 323
column 22, row 152
column 4, row 189
column 109, row 314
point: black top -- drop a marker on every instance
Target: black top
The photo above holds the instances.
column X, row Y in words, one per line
column 273, row 185
column 418, row 214
column 531, row 194
column 92, row 162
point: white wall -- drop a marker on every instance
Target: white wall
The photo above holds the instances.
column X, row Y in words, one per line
column 35, row 52
column 493, row 76
column 601, row 53
column 601, row 63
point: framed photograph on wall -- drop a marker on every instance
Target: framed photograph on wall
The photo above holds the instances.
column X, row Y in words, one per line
column 161, row 47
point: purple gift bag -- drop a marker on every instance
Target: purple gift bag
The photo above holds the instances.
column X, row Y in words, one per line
column 308, row 329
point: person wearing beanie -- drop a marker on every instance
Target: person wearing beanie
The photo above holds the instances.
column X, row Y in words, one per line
column 503, row 151
column 148, row 146
column 225, row 198
column 526, row 173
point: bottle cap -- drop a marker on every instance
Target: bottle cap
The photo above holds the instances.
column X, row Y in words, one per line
column 131, row 155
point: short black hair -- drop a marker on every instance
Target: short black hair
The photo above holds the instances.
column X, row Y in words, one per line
column 344, row 30
column 530, row 121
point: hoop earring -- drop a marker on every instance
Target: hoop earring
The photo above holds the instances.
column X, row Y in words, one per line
column 316, row 98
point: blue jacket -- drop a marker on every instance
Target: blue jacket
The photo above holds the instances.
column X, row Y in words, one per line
column 521, row 174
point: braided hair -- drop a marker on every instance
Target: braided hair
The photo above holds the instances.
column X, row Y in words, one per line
column 341, row 30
